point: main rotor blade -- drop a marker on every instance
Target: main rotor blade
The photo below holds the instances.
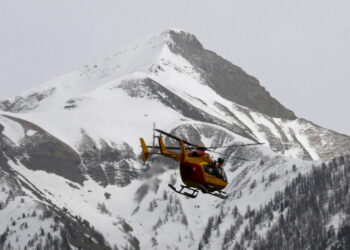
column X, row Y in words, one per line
column 239, row 158
column 165, row 147
column 237, row 145
column 157, row 147
column 178, row 139
column 229, row 156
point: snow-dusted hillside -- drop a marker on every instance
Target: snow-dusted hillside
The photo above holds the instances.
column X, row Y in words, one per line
column 143, row 212
column 72, row 146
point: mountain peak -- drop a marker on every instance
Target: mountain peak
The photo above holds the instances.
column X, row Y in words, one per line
column 177, row 50
column 181, row 37
column 227, row 79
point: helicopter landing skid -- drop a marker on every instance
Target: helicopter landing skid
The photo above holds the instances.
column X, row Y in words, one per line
column 183, row 192
column 217, row 193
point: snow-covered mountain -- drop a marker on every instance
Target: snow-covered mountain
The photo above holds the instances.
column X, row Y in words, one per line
column 70, row 148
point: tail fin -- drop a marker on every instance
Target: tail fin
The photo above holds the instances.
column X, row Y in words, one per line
column 165, row 152
column 145, row 152
column 184, row 154
column 162, row 147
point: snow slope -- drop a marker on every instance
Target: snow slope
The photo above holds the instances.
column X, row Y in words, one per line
column 147, row 210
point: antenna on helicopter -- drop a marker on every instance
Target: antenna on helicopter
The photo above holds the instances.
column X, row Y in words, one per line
column 154, row 137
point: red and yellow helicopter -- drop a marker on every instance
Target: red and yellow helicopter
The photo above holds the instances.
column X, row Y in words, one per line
column 198, row 171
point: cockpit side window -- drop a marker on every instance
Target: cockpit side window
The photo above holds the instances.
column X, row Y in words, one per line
column 224, row 175
column 208, row 169
column 193, row 154
column 217, row 171
column 220, row 173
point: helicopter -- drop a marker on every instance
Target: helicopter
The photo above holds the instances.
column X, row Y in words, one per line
column 199, row 172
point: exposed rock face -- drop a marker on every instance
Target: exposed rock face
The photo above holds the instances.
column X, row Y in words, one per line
column 5, row 151
column 25, row 104
column 318, row 140
column 42, row 151
column 107, row 164
column 228, row 80
column 150, row 89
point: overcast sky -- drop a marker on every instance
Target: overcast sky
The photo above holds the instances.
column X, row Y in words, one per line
column 298, row 49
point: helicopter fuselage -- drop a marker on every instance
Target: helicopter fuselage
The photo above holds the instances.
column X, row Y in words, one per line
column 199, row 171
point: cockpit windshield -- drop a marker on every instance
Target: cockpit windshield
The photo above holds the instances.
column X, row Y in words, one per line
column 217, row 171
